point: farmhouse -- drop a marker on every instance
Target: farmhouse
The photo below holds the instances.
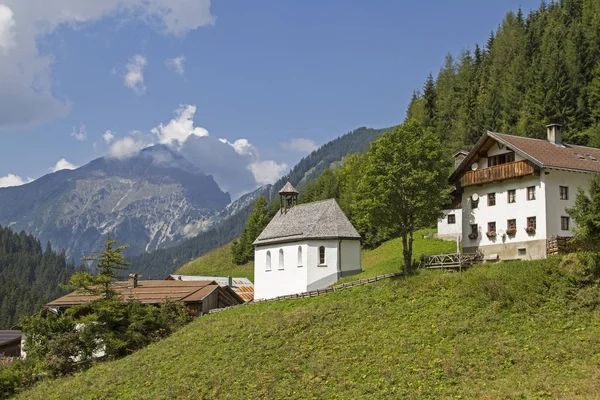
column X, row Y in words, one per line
column 514, row 191
column 199, row 296
column 304, row 247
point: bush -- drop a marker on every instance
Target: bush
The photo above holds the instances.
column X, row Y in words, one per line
column 585, row 265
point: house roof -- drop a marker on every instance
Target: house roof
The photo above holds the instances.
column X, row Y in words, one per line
column 540, row 152
column 7, row 337
column 318, row 220
column 242, row 286
column 149, row 292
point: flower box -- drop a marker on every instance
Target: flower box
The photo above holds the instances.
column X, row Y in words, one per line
column 530, row 230
column 473, row 236
column 511, row 231
column 491, row 234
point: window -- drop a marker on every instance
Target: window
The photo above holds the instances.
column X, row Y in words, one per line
column 281, row 259
column 564, row 192
column 564, row 223
column 512, row 196
column 299, row 256
column 492, row 226
column 531, row 222
column 322, row 255
column 268, row 260
column 491, row 199
column 501, row 159
column 474, row 203
column 522, row 251
column 451, row 218
column 474, row 229
column 511, row 224
column 531, row 193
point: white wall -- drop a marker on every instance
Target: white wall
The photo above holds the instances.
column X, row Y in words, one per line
column 554, row 179
column 446, row 230
column 311, row 275
column 279, row 282
column 504, row 211
column 322, row 275
column 351, row 260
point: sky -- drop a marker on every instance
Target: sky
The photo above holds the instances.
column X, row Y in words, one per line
column 263, row 82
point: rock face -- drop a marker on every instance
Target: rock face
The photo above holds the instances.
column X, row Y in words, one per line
column 151, row 200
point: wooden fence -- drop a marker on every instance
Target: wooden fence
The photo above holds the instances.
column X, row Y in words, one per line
column 315, row 293
column 557, row 245
column 450, row 261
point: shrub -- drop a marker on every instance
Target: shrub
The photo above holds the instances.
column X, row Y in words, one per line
column 585, row 265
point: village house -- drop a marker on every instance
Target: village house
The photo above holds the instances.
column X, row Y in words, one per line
column 242, row 286
column 512, row 193
column 10, row 343
column 305, row 247
column 199, row 296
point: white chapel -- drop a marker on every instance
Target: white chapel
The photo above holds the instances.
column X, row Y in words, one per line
column 305, row 247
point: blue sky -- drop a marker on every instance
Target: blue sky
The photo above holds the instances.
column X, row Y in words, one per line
column 268, row 72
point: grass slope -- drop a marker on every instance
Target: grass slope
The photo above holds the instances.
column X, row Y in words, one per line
column 218, row 262
column 513, row 330
column 387, row 258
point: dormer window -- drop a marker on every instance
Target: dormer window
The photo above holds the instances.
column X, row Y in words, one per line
column 501, row 159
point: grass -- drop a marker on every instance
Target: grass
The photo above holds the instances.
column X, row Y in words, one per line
column 388, row 258
column 218, row 263
column 511, row 330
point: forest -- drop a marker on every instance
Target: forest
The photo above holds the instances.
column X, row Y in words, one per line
column 535, row 69
column 29, row 275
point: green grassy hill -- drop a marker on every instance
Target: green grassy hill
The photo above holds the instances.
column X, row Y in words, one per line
column 218, row 263
column 385, row 259
column 510, row 330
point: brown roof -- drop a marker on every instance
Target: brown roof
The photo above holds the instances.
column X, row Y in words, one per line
column 541, row 152
column 242, row 286
column 148, row 292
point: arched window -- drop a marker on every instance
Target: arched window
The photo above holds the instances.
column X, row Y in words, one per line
column 299, row 256
column 322, row 255
column 268, row 260
column 280, row 258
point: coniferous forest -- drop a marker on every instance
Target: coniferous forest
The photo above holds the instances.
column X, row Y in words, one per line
column 535, row 69
column 29, row 275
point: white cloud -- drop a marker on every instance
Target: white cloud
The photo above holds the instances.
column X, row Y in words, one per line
column 108, row 136
column 134, row 75
column 7, row 29
column 63, row 164
column 26, row 92
column 126, row 147
column 267, row 171
column 300, row 145
column 177, row 64
column 179, row 128
column 13, row 180
column 80, row 133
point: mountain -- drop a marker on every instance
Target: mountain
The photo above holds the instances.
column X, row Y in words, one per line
column 150, row 200
column 231, row 223
column 29, row 275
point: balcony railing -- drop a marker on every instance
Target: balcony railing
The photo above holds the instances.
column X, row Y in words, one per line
column 498, row 173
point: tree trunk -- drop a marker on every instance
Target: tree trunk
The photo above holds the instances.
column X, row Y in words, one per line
column 407, row 251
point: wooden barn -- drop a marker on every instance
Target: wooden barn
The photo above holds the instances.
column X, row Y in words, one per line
column 199, row 296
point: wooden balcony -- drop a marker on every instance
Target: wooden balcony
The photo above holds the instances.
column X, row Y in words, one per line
column 498, row 173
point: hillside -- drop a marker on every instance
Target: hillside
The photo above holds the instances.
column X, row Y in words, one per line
column 217, row 263
column 511, row 330
column 385, row 259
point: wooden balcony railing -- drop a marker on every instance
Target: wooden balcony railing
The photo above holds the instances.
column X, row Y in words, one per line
column 498, row 173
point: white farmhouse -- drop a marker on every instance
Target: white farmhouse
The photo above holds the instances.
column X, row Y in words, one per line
column 305, row 247
column 514, row 192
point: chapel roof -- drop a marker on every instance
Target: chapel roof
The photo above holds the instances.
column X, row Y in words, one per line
column 317, row 220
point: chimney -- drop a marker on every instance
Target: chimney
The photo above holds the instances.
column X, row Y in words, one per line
column 459, row 156
column 229, row 281
column 132, row 282
column 554, row 133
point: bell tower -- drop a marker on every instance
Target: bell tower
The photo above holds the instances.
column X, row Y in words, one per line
column 288, row 196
